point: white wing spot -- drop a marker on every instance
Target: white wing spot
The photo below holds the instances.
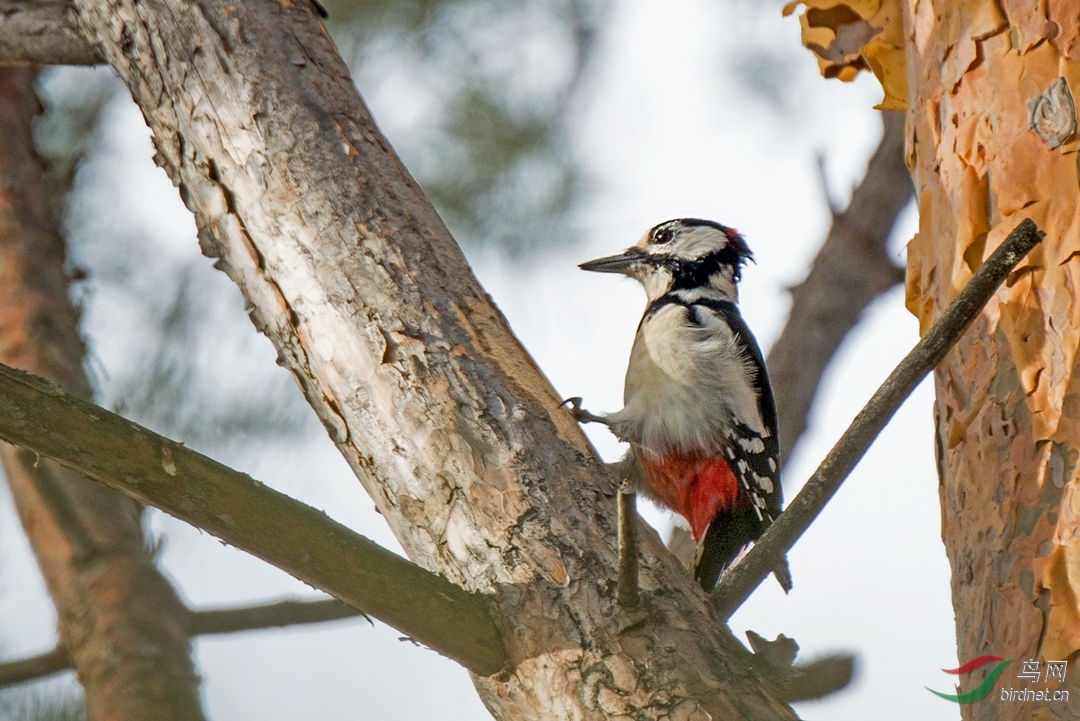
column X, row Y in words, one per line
column 752, row 445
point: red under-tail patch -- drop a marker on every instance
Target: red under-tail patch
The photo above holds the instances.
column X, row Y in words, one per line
column 694, row 484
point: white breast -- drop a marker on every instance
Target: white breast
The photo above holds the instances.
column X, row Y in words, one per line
column 685, row 384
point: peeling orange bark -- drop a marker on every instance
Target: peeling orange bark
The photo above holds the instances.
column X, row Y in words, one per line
column 991, row 141
column 856, row 35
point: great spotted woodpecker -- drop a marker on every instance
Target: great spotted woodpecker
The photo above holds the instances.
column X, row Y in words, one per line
column 699, row 413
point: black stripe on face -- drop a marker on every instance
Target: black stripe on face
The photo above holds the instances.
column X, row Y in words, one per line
column 688, row 274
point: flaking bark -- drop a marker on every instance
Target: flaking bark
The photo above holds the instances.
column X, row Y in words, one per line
column 989, row 89
column 1008, row 400
column 43, row 32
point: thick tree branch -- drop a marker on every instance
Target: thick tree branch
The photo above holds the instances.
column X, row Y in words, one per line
column 200, row 623
column 851, row 269
column 126, row 457
column 741, row 580
column 43, row 32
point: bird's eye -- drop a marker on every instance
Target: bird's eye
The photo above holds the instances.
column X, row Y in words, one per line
column 661, row 236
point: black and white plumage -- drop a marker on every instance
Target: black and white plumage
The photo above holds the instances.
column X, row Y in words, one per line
column 699, row 413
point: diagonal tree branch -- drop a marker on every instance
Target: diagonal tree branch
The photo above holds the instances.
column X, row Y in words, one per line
column 200, row 623
column 43, row 32
column 126, row 457
column 741, row 580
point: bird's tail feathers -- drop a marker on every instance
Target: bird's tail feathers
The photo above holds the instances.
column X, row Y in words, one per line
column 722, row 544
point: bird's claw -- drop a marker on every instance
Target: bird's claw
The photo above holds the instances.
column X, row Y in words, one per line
column 580, row 414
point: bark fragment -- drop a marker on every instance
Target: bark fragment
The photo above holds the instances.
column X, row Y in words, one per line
column 848, row 36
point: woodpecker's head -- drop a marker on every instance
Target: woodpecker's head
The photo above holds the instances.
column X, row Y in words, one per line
column 690, row 256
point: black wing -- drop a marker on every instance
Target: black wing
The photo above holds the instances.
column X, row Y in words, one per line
column 755, row 461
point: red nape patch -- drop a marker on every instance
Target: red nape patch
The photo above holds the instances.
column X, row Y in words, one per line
column 694, row 485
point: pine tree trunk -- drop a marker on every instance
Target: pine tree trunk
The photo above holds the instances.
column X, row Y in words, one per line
column 1008, row 396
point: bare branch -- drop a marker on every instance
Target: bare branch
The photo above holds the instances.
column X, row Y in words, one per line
column 741, row 580
column 43, row 32
column 28, row 669
column 269, row 615
column 217, row 621
column 850, row 271
column 126, row 457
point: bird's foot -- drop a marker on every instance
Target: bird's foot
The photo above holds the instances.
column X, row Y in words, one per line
column 580, row 414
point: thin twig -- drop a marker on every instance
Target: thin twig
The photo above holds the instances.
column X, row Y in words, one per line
column 269, row 615
column 627, row 595
column 217, row 621
column 741, row 580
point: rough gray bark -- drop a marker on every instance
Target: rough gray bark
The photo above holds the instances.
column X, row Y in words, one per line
column 417, row 378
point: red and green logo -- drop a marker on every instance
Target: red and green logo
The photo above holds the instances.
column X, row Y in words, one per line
column 983, row 689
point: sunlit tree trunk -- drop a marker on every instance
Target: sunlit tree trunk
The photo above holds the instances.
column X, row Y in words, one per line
column 991, row 141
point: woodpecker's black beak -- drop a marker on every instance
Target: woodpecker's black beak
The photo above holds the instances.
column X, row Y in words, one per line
column 614, row 263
